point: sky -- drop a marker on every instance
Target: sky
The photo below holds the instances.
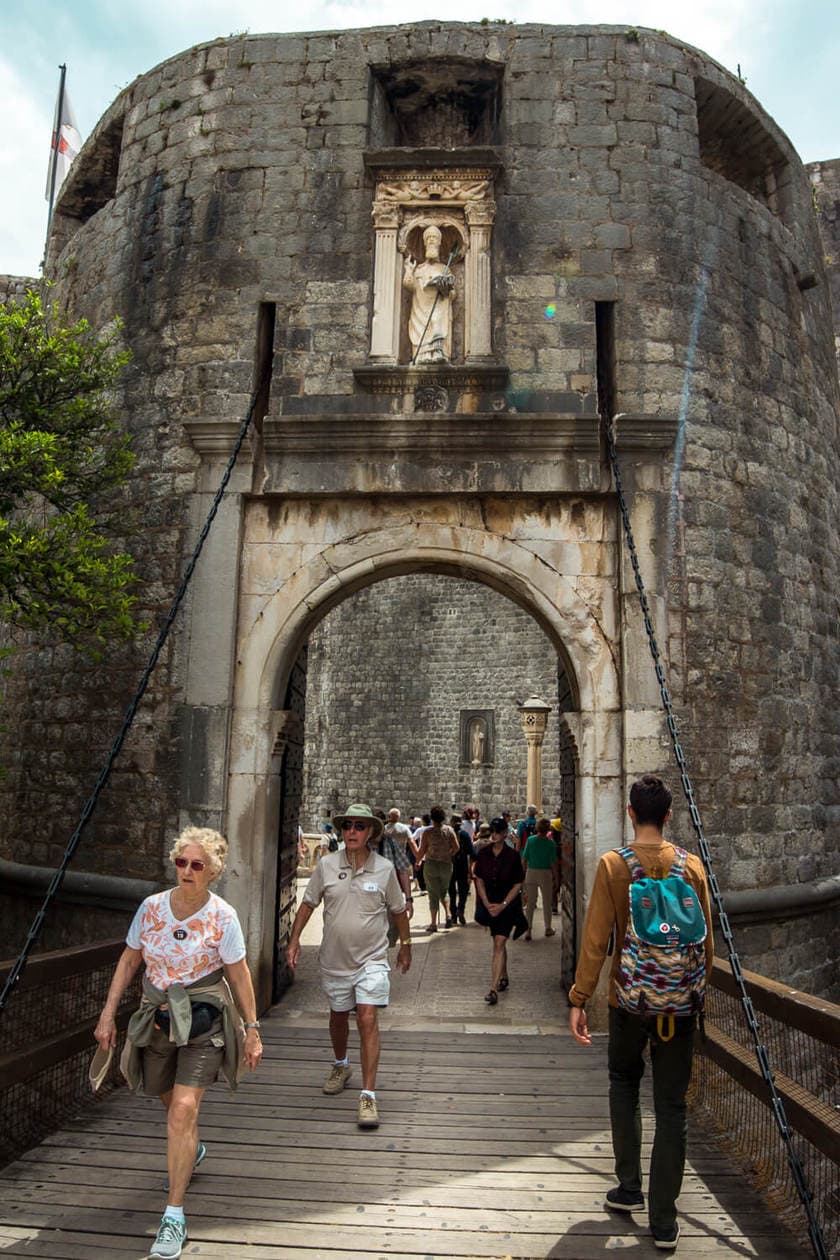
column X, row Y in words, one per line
column 788, row 52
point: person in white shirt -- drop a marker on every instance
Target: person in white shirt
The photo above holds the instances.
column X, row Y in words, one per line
column 359, row 890
column 187, row 1027
column 468, row 821
column 397, row 830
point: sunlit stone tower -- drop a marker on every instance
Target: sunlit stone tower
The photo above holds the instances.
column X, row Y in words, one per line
column 609, row 204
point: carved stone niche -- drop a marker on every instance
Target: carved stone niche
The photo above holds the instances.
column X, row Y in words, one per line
column 458, row 201
column 477, row 737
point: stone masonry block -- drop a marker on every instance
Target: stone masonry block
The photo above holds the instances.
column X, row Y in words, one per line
column 594, row 136
column 612, row 236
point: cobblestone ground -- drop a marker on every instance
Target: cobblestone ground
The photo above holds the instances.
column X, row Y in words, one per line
column 450, row 973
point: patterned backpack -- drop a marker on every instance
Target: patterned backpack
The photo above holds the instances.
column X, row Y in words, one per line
column 662, row 969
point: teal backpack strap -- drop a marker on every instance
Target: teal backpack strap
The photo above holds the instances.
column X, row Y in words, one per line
column 634, row 866
column 678, row 865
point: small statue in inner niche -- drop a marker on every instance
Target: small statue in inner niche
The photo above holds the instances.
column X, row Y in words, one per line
column 477, row 738
column 430, row 320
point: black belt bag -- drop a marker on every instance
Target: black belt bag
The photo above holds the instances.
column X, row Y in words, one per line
column 204, row 1015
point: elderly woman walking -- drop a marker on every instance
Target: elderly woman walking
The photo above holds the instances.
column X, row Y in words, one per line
column 187, row 1027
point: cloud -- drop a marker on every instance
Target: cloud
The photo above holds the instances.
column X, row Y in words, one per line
column 779, row 46
column 24, row 157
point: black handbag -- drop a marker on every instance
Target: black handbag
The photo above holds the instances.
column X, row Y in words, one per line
column 204, row 1015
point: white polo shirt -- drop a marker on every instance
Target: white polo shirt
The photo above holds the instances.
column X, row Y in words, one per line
column 356, row 905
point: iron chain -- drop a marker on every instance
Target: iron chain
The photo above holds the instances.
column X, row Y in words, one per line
column 776, row 1104
column 105, row 773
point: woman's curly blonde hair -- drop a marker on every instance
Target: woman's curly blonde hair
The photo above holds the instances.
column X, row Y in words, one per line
column 212, row 842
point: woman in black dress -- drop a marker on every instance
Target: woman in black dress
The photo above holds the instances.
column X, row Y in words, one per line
column 499, row 876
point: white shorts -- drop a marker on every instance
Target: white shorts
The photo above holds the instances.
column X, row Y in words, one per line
column 369, row 986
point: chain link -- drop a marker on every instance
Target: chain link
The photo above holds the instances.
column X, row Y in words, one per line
column 90, row 804
column 776, row 1104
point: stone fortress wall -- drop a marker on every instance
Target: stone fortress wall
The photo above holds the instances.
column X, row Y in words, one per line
column 825, row 177
column 648, row 215
column 13, row 288
column 389, row 672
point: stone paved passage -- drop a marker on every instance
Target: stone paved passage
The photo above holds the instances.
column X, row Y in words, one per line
column 490, row 1146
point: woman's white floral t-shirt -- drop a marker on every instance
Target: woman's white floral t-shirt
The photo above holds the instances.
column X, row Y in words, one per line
column 180, row 951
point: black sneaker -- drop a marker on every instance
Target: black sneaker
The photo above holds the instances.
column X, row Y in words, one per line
column 666, row 1239
column 624, row 1200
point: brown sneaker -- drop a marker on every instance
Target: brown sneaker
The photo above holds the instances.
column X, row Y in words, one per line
column 337, row 1079
column 368, row 1114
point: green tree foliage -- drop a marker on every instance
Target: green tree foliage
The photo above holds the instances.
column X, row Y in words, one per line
column 60, row 452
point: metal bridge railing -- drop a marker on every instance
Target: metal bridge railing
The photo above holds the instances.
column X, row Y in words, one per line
column 729, row 1095
column 47, row 1045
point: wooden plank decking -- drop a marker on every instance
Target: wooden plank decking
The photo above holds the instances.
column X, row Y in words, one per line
column 494, row 1141
column 490, row 1146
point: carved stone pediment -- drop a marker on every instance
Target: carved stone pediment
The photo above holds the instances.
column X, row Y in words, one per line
column 450, row 188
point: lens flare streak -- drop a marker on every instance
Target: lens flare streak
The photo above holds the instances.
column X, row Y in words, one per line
column 679, row 445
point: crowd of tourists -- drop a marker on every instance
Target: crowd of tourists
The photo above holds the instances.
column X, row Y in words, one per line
column 440, row 852
column 197, row 1016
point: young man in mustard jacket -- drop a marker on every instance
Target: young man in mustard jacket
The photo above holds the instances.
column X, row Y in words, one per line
column 649, row 811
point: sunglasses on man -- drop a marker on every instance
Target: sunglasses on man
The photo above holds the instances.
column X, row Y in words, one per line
column 354, row 824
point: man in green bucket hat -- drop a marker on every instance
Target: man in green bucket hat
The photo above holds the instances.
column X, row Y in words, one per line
column 359, row 889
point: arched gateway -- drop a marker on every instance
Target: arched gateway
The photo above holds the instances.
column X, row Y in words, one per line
column 344, row 504
column 578, row 616
column 422, row 246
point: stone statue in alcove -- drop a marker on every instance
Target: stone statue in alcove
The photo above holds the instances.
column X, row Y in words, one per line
column 432, row 286
column 477, row 741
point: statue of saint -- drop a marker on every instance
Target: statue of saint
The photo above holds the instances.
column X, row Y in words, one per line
column 477, row 738
column 430, row 321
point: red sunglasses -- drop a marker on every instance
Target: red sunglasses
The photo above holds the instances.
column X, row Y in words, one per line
column 193, row 863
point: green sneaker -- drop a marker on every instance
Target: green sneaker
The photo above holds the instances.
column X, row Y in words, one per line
column 170, row 1240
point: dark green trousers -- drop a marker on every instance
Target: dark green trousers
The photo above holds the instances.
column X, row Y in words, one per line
column 671, row 1066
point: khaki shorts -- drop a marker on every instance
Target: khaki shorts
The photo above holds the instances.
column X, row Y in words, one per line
column 369, row 986
column 196, row 1064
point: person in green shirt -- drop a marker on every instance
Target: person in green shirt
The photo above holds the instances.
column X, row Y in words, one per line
column 538, row 858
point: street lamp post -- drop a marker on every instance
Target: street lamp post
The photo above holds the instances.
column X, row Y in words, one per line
column 533, row 715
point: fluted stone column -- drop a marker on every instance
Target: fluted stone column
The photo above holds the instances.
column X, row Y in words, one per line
column 385, row 325
column 533, row 715
column 477, row 297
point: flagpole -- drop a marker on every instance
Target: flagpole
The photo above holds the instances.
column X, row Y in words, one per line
column 56, row 147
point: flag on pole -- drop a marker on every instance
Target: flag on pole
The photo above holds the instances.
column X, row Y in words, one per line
column 66, row 143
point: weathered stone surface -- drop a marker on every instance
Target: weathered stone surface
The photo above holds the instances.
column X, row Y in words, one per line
column 242, row 181
column 388, row 675
column 13, row 288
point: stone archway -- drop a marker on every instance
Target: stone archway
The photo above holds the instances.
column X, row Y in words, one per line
column 288, row 582
column 377, row 699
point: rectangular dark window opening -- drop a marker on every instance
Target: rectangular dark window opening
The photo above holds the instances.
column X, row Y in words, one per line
column 443, row 102
column 605, row 359
column 263, row 359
